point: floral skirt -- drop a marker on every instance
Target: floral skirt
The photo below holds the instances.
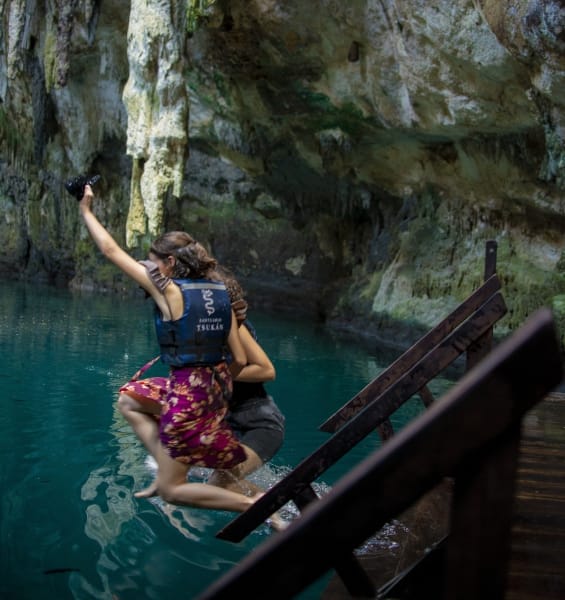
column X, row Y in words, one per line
column 193, row 404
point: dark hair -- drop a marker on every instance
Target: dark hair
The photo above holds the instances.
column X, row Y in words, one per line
column 193, row 259
column 229, row 279
column 235, row 291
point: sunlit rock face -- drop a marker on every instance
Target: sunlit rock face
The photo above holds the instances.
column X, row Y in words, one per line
column 156, row 101
column 349, row 159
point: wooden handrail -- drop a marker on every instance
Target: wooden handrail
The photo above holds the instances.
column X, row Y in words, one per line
column 460, row 436
column 376, row 411
column 411, row 356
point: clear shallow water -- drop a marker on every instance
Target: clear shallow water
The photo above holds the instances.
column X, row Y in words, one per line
column 69, row 524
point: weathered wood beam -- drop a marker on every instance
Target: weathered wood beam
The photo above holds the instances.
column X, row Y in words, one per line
column 415, row 353
column 365, row 422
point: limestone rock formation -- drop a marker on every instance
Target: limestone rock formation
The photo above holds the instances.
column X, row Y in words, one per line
column 347, row 159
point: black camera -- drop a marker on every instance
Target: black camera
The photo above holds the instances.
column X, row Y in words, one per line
column 75, row 186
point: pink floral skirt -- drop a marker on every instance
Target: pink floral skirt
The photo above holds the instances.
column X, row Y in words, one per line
column 193, row 404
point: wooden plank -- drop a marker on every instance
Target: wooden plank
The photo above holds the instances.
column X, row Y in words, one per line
column 415, row 353
column 479, row 349
column 478, row 548
column 358, row 583
column 516, row 375
column 426, row 396
column 366, row 421
column 537, row 562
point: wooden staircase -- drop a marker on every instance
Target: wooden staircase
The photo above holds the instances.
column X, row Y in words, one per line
column 456, row 463
column 470, row 436
column 536, row 567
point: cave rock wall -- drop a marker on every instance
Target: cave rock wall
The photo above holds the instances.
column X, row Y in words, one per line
column 349, row 160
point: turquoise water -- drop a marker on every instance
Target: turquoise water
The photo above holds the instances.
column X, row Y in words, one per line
column 69, row 524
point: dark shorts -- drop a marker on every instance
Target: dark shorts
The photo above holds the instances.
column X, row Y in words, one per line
column 259, row 424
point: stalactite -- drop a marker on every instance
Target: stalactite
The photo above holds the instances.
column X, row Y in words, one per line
column 156, row 101
column 16, row 27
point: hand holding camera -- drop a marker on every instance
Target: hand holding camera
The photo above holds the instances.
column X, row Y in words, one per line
column 75, row 186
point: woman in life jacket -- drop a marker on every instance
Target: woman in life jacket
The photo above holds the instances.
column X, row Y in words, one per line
column 254, row 417
column 195, row 326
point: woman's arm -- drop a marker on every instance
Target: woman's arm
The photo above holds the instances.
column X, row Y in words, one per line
column 239, row 357
column 108, row 246
column 259, row 367
column 114, row 253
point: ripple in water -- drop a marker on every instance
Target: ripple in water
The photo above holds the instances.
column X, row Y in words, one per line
column 70, row 463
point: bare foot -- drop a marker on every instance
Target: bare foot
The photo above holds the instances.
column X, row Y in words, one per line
column 276, row 522
column 148, row 492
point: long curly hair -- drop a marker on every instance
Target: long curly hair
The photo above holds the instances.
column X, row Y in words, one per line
column 192, row 259
column 235, row 291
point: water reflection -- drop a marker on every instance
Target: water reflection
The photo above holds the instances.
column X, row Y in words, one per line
column 71, row 463
column 119, row 522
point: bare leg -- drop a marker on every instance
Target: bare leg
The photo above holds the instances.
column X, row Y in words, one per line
column 234, row 480
column 173, row 488
column 145, row 427
column 171, row 481
column 148, row 492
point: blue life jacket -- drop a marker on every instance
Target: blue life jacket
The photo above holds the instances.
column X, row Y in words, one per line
column 200, row 336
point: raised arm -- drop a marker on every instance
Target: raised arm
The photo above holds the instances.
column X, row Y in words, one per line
column 115, row 254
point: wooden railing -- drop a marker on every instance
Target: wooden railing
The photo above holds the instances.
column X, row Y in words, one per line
column 470, row 435
column 442, row 333
column 464, row 330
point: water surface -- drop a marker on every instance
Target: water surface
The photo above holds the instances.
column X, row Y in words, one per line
column 69, row 524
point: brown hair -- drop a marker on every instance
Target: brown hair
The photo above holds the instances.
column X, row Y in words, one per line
column 192, row 259
column 235, row 291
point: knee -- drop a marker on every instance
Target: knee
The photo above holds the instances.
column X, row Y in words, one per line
column 124, row 404
column 224, row 478
column 168, row 493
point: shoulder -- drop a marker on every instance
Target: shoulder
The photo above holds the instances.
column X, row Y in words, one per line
column 160, row 281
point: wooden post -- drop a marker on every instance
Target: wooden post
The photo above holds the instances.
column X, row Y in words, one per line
column 483, row 345
column 490, row 258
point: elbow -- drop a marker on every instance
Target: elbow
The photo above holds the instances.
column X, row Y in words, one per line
column 270, row 374
column 236, row 367
column 239, row 364
column 110, row 250
column 107, row 250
